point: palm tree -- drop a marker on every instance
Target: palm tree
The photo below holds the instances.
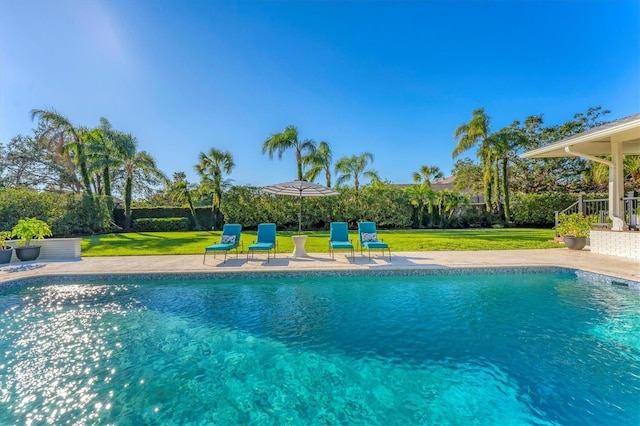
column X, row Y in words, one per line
column 502, row 144
column 106, row 151
column 319, row 161
column 352, row 168
column 473, row 133
column 426, row 174
column 448, row 202
column 136, row 163
column 210, row 168
column 65, row 138
column 181, row 191
column 632, row 168
column 421, row 197
column 288, row 139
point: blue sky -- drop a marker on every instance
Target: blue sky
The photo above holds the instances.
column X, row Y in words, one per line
column 392, row 78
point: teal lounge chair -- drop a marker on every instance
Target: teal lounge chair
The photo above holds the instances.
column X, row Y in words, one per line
column 266, row 240
column 229, row 240
column 369, row 238
column 339, row 237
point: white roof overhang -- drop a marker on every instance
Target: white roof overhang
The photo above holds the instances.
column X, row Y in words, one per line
column 596, row 141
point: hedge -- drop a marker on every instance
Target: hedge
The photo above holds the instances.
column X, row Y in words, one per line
column 66, row 214
column 204, row 214
column 538, row 210
column 386, row 205
column 161, row 224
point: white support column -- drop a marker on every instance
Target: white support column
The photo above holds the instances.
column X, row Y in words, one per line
column 616, row 188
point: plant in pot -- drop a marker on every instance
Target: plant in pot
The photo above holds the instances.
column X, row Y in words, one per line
column 575, row 228
column 5, row 250
column 28, row 229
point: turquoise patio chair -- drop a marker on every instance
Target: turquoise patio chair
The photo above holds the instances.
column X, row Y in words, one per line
column 266, row 240
column 368, row 236
column 339, row 238
column 229, row 240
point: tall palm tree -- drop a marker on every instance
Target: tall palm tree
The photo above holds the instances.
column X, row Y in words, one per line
column 65, row 138
column 502, row 145
column 288, row 139
column 473, row 133
column 136, row 163
column 427, row 174
column 354, row 167
column 106, row 150
column 319, row 161
column 210, row 168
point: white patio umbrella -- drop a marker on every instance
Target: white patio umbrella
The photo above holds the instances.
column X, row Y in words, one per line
column 300, row 188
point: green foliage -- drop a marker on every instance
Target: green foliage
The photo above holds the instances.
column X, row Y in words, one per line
column 539, row 209
column 67, row 214
column 202, row 213
column 29, row 228
column 385, row 204
column 574, row 225
column 4, row 236
column 161, row 224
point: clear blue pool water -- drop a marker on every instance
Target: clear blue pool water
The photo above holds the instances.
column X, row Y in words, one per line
column 541, row 349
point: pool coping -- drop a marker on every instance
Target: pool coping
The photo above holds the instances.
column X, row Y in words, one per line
column 593, row 277
column 425, row 262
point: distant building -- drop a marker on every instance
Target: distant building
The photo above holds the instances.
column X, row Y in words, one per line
column 447, row 183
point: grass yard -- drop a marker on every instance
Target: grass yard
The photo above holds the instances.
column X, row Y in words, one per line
column 158, row 243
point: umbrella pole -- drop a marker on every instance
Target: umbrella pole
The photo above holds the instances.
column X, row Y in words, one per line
column 300, row 215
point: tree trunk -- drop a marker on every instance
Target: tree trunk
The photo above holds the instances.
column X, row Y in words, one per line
column 107, row 190
column 497, row 186
column 83, row 169
column 505, row 184
column 127, row 203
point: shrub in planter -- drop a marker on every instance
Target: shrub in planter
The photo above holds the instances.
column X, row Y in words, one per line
column 26, row 230
column 575, row 228
column 5, row 250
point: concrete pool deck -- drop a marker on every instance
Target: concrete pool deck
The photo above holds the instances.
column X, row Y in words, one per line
column 613, row 266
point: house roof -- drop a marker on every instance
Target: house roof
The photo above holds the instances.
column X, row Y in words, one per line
column 596, row 141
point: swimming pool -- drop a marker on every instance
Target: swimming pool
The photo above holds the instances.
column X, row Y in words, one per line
column 539, row 348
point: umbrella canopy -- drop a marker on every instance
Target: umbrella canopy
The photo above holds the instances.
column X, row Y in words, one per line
column 300, row 188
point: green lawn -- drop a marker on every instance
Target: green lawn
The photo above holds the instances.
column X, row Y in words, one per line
column 152, row 243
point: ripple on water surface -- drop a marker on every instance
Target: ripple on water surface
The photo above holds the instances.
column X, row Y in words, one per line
column 508, row 349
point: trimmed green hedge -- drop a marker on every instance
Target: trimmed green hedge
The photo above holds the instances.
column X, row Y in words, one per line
column 537, row 210
column 204, row 215
column 66, row 214
column 387, row 205
column 161, row 224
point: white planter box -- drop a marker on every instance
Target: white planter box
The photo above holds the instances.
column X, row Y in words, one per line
column 53, row 248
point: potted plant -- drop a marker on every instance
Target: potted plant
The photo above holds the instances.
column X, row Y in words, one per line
column 27, row 229
column 5, row 250
column 575, row 228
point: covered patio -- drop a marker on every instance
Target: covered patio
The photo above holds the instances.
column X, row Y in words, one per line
column 615, row 139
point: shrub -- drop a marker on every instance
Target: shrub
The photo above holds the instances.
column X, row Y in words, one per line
column 574, row 225
column 166, row 224
column 67, row 214
column 539, row 209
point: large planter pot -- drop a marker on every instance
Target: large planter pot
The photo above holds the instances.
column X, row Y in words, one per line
column 5, row 255
column 575, row 243
column 27, row 253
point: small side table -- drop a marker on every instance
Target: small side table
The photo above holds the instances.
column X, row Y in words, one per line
column 299, row 241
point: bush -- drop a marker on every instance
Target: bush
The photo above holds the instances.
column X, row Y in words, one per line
column 155, row 224
column 387, row 205
column 67, row 214
column 203, row 213
column 538, row 210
